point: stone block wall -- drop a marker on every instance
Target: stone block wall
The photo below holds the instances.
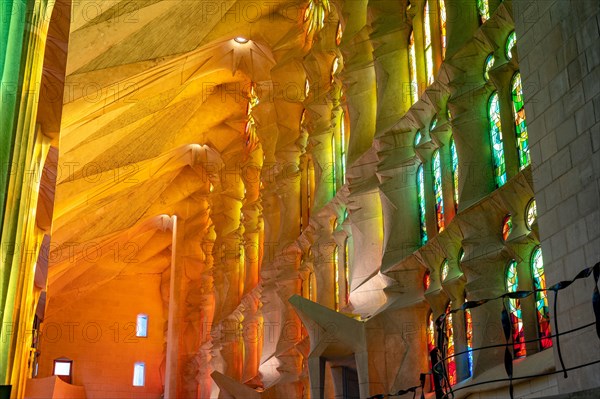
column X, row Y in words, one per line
column 559, row 55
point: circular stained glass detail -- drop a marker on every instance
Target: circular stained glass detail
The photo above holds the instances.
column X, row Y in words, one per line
column 489, row 64
column 507, row 226
column 530, row 214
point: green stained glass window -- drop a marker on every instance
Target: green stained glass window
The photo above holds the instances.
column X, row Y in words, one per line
column 454, row 155
column 483, row 8
column 530, row 214
column 541, row 300
column 445, row 269
column 514, row 310
column 418, row 137
column 421, row 202
column 510, row 43
column 343, row 136
column 412, row 68
column 434, row 122
column 520, row 123
column 489, row 64
column 496, row 140
column 427, row 43
column 437, row 189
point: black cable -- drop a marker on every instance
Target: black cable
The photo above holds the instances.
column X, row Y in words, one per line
column 525, row 377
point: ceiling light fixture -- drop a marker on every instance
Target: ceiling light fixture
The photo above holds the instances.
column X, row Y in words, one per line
column 241, row 40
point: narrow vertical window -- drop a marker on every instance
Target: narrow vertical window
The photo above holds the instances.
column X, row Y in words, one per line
column 421, row 203
column 412, row 68
column 445, row 269
column 430, row 331
column 507, row 226
column 496, row 140
column 311, row 286
column 514, row 310
column 427, row 42
column 336, row 277
column 541, row 300
column 489, row 64
column 451, row 362
column 454, row 155
column 442, row 6
column 483, row 8
column 139, row 371
column 347, row 270
column 530, row 214
column 511, row 40
column 520, row 123
column 426, row 280
column 437, row 189
column 142, row 325
column 418, row 137
column 333, row 163
column 339, row 34
column 343, row 145
column 469, row 334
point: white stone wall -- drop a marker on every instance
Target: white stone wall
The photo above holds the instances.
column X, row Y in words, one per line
column 559, row 55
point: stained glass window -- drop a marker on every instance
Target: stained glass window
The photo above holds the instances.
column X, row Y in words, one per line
column 427, row 46
column 469, row 333
column 511, row 40
column 338, row 34
column 442, row 6
column 306, row 87
column 445, row 269
column 336, row 276
column 514, row 310
column 520, row 123
column 437, row 189
column 347, row 270
column 541, row 299
column 315, row 13
column 334, row 68
column 454, row 155
column 412, row 68
column 421, row 202
column 343, row 145
column 418, row 137
column 496, row 140
column 434, row 122
column 489, row 64
column 507, row 226
column 484, row 10
column 530, row 213
column 451, row 362
column 430, row 341
column 311, row 286
column 427, row 280
column 461, row 255
column 333, row 163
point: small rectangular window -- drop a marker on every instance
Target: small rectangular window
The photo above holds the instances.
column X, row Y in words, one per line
column 142, row 325
column 139, row 374
column 63, row 368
